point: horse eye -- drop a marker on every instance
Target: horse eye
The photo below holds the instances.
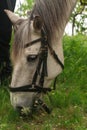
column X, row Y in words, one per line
column 31, row 58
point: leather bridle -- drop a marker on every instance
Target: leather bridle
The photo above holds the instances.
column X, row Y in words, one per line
column 41, row 69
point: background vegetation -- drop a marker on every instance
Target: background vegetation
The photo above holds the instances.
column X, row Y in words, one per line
column 68, row 102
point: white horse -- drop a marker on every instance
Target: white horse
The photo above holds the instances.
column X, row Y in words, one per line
column 38, row 36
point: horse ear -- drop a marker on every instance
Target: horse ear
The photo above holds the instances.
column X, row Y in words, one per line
column 37, row 23
column 13, row 18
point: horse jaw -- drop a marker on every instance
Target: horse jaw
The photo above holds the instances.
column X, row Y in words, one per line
column 13, row 18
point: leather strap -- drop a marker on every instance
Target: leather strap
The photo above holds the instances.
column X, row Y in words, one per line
column 28, row 88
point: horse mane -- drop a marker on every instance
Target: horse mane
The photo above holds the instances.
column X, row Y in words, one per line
column 53, row 13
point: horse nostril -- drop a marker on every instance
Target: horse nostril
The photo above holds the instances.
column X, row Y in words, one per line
column 19, row 109
column 23, row 111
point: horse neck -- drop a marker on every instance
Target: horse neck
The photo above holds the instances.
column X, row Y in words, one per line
column 56, row 41
column 70, row 7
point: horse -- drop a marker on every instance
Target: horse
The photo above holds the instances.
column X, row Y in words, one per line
column 37, row 52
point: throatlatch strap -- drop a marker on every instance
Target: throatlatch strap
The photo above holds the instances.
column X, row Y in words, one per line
column 55, row 56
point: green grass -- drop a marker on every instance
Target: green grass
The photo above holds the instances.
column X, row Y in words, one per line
column 68, row 102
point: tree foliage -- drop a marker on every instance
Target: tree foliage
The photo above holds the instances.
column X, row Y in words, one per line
column 79, row 17
column 25, row 7
column 83, row 2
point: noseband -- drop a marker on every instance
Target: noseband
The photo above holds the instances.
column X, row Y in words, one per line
column 41, row 69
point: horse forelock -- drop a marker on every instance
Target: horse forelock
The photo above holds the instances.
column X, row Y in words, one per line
column 19, row 39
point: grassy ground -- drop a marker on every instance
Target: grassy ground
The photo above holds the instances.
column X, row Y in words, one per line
column 69, row 101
